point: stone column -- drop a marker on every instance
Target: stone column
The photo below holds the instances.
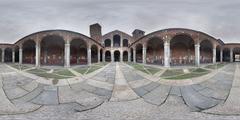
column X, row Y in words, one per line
column 89, row 55
column 112, row 55
column 99, row 57
column 45, row 56
column 13, row 55
column 144, row 53
column 112, row 42
column 20, row 55
column 221, row 55
column 3, row 54
column 134, row 55
column 121, row 55
column 103, row 56
column 129, row 56
column 37, row 54
column 166, row 54
column 67, row 54
column 197, row 54
column 214, row 54
column 231, row 55
column 121, row 42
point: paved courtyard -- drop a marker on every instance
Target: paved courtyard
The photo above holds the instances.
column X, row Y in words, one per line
column 118, row 91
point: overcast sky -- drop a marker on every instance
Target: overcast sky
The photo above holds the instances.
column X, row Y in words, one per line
column 219, row 18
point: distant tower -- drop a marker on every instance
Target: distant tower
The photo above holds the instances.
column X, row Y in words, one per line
column 96, row 32
column 137, row 34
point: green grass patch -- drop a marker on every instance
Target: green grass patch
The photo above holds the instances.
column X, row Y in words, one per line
column 50, row 75
column 37, row 70
column 200, row 70
column 194, row 72
column 216, row 66
column 93, row 68
column 19, row 67
column 152, row 70
column 172, row 72
column 81, row 70
column 187, row 76
column 64, row 72
column 138, row 67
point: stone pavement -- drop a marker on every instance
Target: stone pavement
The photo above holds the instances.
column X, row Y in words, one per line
column 198, row 97
column 20, row 94
column 120, row 92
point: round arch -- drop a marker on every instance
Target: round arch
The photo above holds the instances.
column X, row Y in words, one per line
column 16, row 53
column 116, row 56
column 78, row 52
column 226, row 55
column 94, row 54
column 206, row 51
column 125, row 43
column 236, row 54
column 116, row 40
column 125, row 56
column 107, row 43
column 218, row 53
column 108, row 56
column 29, row 52
column 139, row 53
column 8, row 55
column 131, row 57
column 101, row 55
column 182, row 50
column 52, row 50
column 155, row 51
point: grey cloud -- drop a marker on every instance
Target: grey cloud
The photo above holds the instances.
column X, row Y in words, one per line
column 218, row 18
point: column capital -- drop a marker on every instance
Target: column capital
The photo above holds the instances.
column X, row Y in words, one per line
column 197, row 44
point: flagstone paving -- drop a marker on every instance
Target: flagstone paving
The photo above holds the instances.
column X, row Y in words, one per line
column 118, row 91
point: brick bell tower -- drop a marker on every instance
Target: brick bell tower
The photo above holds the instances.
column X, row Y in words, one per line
column 137, row 34
column 96, row 32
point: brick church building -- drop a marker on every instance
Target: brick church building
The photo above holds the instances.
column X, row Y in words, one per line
column 167, row 47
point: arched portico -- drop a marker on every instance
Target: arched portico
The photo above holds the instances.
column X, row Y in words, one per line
column 236, row 54
column 206, row 51
column 117, row 56
column 78, row 52
column 29, row 52
column 52, row 50
column 155, row 51
column 108, row 56
column 8, row 55
column 139, row 53
column 125, row 56
column 182, row 50
column 94, row 54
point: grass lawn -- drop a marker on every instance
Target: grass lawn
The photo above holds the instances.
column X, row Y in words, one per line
column 90, row 69
column 194, row 73
column 93, row 68
column 146, row 69
column 58, row 74
column 187, row 76
column 139, row 67
column 81, row 70
column 19, row 67
column 152, row 70
column 64, row 72
column 172, row 72
column 50, row 75
column 216, row 66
